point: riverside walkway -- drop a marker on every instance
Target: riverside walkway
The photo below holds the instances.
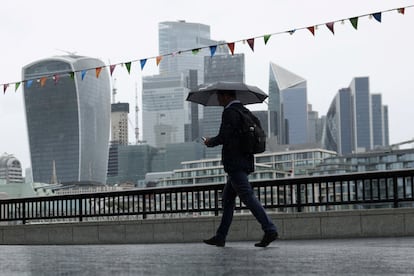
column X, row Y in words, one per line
column 364, row 256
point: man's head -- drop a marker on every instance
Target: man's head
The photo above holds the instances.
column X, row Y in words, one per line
column 225, row 97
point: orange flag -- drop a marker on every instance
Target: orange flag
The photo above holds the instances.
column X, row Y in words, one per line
column 43, row 81
column 231, row 47
column 158, row 60
column 98, row 71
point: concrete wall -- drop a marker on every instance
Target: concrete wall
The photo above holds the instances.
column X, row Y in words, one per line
column 317, row 225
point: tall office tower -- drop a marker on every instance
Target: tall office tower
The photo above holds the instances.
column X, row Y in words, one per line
column 362, row 114
column 166, row 115
column 219, row 68
column 379, row 131
column 288, row 96
column 338, row 133
column 356, row 121
column 68, row 118
column 164, row 110
column 119, row 123
column 175, row 36
column 10, row 169
column 315, row 126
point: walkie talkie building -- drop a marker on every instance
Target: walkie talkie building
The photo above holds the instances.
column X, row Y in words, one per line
column 68, row 118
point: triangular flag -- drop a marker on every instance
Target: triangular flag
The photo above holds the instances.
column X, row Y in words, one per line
column 195, row 51
column 250, row 41
column 16, row 86
column 158, row 60
column 43, row 81
column 231, row 47
column 128, row 66
column 83, row 73
column 213, row 50
column 354, row 22
column 29, row 83
column 330, row 26
column 266, row 38
column 312, row 29
column 56, row 78
column 72, row 75
column 377, row 16
column 401, row 10
column 291, row 32
column 98, row 71
column 5, row 87
column 112, row 68
column 143, row 61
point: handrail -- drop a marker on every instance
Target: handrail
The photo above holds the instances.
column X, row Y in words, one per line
column 312, row 193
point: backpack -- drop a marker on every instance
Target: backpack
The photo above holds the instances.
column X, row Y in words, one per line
column 252, row 136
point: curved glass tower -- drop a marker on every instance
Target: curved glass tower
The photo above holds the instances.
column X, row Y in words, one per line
column 68, row 119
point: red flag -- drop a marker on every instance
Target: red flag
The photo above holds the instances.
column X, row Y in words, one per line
column 5, row 87
column 56, row 78
column 401, row 10
column 112, row 68
column 251, row 43
column 231, row 47
column 330, row 26
column 312, row 29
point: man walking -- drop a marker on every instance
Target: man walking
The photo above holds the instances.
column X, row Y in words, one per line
column 238, row 165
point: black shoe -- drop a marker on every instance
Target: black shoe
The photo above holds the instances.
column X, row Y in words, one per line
column 267, row 239
column 215, row 241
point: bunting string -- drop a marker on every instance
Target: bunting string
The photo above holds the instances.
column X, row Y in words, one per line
column 231, row 46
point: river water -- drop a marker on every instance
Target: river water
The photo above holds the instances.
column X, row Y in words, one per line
column 379, row 256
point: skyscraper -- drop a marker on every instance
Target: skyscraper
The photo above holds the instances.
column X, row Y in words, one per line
column 175, row 36
column 288, row 106
column 166, row 115
column 362, row 114
column 165, row 112
column 119, row 123
column 67, row 118
column 356, row 120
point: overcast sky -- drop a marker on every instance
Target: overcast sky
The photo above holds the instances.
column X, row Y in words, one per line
column 126, row 30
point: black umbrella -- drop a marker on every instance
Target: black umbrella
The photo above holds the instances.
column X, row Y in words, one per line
column 206, row 94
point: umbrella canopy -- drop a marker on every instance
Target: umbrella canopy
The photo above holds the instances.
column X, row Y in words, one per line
column 207, row 94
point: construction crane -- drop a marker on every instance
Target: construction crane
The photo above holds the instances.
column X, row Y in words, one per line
column 114, row 90
column 136, row 115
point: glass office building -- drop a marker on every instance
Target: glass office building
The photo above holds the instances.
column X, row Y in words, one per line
column 68, row 118
column 288, row 106
column 356, row 120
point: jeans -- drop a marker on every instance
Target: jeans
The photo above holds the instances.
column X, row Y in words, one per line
column 238, row 185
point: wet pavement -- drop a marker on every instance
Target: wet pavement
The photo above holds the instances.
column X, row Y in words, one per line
column 376, row 256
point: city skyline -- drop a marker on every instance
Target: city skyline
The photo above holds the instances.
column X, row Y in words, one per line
column 381, row 51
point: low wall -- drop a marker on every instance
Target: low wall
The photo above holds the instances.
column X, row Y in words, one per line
column 317, row 225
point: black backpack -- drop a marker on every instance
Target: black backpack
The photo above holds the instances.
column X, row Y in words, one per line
column 253, row 137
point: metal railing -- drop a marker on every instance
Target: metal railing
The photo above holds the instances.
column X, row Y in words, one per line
column 347, row 191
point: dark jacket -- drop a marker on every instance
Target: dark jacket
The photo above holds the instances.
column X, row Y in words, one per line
column 232, row 155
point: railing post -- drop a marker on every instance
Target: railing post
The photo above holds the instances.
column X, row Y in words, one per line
column 395, row 191
column 80, row 209
column 24, row 213
column 298, row 198
column 144, row 207
column 216, row 200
